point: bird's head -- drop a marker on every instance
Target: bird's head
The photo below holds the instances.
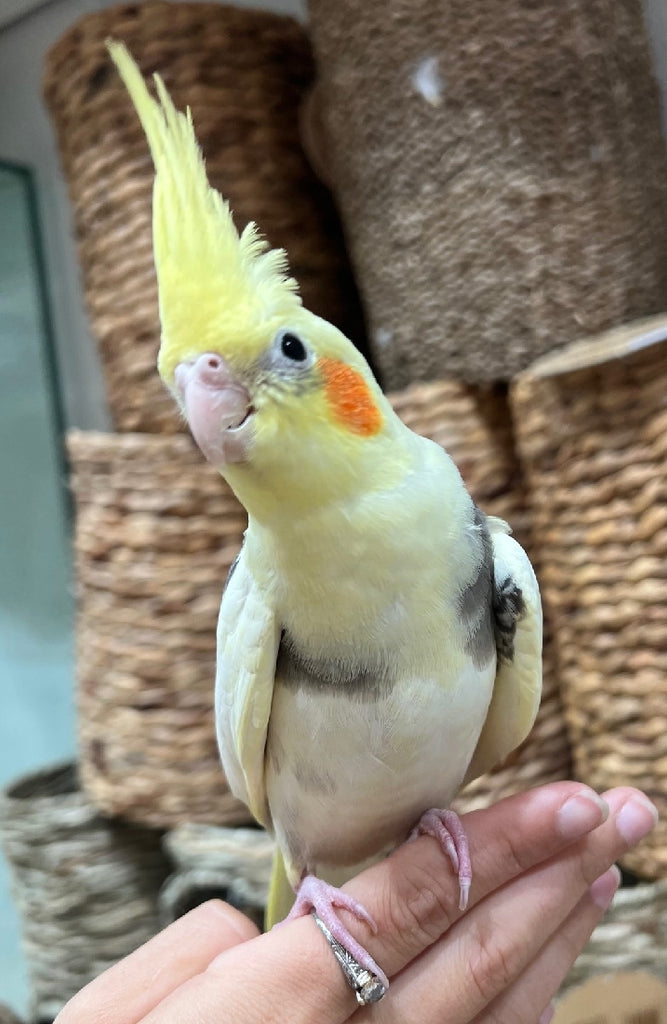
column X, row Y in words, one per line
column 278, row 399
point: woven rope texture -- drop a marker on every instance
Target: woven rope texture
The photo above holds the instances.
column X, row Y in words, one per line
column 632, row 936
column 501, row 174
column 232, row 863
column 593, row 440
column 86, row 888
column 157, row 530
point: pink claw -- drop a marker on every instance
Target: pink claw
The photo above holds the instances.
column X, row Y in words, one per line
column 446, row 827
column 314, row 894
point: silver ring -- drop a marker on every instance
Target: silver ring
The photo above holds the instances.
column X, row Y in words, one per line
column 366, row 986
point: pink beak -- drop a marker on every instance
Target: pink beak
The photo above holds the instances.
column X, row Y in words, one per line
column 217, row 407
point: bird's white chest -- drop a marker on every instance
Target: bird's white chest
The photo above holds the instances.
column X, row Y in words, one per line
column 348, row 777
column 377, row 704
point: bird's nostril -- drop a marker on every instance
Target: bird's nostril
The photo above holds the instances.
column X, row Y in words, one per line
column 210, row 369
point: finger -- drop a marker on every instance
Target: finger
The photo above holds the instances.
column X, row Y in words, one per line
column 493, row 944
column 415, row 898
column 292, row 976
column 129, row 989
column 538, row 984
column 287, row 979
column 413, row 892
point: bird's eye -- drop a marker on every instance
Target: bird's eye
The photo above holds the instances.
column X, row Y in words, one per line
column 293, row 348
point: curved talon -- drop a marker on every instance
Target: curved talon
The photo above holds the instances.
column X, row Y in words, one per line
column 314, row 894
column 446, row 827
column 464, row 894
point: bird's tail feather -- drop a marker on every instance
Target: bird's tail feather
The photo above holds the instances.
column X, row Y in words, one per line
column 281, row 896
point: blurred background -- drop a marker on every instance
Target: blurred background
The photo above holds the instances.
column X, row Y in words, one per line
column 51, row 380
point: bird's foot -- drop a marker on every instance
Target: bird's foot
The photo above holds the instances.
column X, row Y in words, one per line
column 446, row 827
column 314, row 894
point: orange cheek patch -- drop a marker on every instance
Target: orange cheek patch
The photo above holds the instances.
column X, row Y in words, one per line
column 349, row 397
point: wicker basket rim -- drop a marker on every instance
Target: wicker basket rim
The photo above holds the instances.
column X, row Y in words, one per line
column 82, row 32
column 45, row 784
column 618, row 343
column 99, row 443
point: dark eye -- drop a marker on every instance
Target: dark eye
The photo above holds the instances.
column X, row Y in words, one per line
column 293, row 348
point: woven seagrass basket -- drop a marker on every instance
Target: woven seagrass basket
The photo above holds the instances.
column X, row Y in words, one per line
column 632, row 936
column 233, row 864
column 501, row 174
column 86, row 888
column 243, row 73
column 157, row 530
column 591, row 426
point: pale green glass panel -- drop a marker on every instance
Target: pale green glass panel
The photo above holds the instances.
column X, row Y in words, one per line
column 36, row 602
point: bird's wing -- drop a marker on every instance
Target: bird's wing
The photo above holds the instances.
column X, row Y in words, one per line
column 248, row 640
column 518, row 626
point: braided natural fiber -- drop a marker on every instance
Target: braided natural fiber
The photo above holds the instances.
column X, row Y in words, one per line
column 591, row 427
column 243, row 73
column 501, row 173
column 233, row 864
column 86, row 888
column 632, row 936
column 156, row 532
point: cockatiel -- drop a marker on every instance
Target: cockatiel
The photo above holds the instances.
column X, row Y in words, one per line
column 379, row 639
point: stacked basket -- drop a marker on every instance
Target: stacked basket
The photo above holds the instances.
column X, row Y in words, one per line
column 501, row 172
column 591, row 427
column 86, row 887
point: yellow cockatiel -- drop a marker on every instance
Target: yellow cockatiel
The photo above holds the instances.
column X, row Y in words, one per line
column 379, row 640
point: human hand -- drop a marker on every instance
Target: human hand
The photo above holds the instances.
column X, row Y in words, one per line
column 542, row 881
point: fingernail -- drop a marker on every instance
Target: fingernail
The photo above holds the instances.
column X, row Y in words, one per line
column 581, row 814
column 547, row 1015
column 636, row 818
column 604, row 888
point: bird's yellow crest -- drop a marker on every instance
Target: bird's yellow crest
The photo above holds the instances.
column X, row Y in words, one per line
column 211, row 280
